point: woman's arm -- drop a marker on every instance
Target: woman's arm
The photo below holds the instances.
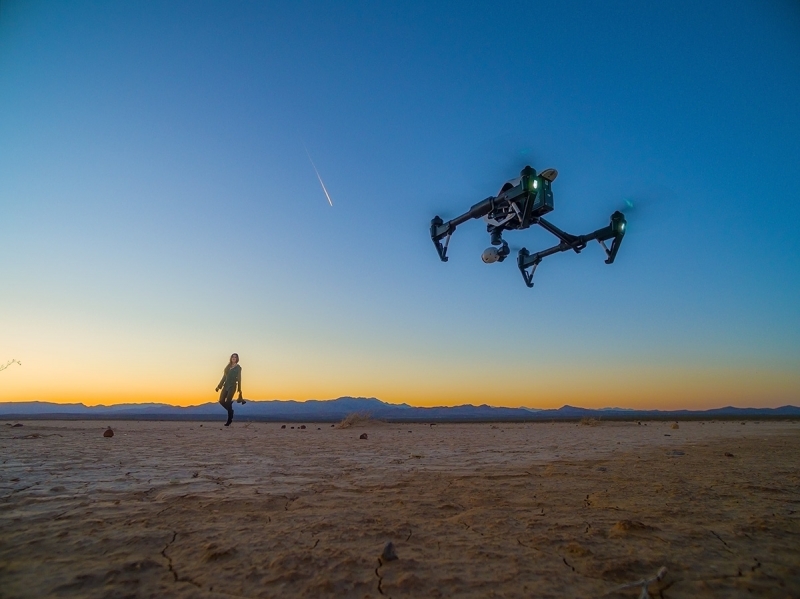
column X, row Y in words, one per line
column 222, row 381
column 239, row 381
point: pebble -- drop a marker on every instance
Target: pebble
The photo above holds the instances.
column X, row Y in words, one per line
column 17, row 425
column 675, row 425
column 283, row 426
column 363, row 436
column 728, row 454
column 302, row 426
column 108, row 432
column 389, row 554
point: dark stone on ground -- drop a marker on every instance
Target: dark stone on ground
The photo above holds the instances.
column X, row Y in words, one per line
column 389, row 554
column 363, row 436
column 108, row 432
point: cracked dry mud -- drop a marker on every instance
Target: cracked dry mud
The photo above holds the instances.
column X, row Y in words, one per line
column 474, row 510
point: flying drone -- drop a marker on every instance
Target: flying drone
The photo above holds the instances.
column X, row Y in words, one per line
column 521, row 203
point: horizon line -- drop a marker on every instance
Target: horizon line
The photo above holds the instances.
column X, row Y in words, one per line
column 402, row 405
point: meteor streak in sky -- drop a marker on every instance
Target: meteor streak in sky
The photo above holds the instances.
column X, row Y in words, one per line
column 327, row 195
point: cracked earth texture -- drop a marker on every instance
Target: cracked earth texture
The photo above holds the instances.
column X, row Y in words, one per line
column 176, row 509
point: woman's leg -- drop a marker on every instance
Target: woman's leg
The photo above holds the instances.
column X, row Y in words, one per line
column 226, row 401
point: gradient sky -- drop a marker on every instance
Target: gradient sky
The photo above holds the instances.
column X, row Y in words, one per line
column 158, row 210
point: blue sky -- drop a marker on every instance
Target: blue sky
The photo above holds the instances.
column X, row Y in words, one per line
column 159, row 210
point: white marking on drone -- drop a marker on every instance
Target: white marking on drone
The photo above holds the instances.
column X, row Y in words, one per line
column 327, row 195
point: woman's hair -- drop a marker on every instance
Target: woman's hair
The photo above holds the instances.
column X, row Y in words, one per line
column 230, row 362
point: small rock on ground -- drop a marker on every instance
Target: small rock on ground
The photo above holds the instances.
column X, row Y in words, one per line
column 389, row 554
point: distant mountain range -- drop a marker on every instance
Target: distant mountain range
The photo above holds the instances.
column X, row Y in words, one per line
column 333, row 410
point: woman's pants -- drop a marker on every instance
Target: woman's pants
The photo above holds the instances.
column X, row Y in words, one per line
column 226, row 401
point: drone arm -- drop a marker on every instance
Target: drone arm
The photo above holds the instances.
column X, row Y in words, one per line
column 526, row 260
column 565, row 237
column 443, row 230
column 615, row 231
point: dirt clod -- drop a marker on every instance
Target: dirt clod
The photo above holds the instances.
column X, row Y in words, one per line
column 389, row 553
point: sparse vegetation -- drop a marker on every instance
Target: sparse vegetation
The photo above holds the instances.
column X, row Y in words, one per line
column 9, row 363
column 589, row 422
column 356, row 419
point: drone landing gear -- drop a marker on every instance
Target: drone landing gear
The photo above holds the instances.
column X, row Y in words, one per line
column 441, row 230
column 614, row 231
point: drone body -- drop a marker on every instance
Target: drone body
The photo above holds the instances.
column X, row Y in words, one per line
column 521, row 203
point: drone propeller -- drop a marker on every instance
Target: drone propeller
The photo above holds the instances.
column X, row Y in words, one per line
column 629, row 206
column 637, row 207
column 493, row 161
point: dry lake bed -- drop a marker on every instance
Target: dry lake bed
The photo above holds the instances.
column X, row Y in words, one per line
column 191, row 509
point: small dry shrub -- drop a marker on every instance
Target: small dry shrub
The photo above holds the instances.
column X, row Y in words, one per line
column 589, row 422
column 356, row 419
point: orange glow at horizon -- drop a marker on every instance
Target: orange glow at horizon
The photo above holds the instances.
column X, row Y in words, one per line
column 674, row 388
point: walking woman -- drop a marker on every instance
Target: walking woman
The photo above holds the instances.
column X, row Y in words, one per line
column 230, row 383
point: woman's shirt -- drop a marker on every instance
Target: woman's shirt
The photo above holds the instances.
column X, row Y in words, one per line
column 232, row 379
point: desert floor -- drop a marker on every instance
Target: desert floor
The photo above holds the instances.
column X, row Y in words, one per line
column 190, row 509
